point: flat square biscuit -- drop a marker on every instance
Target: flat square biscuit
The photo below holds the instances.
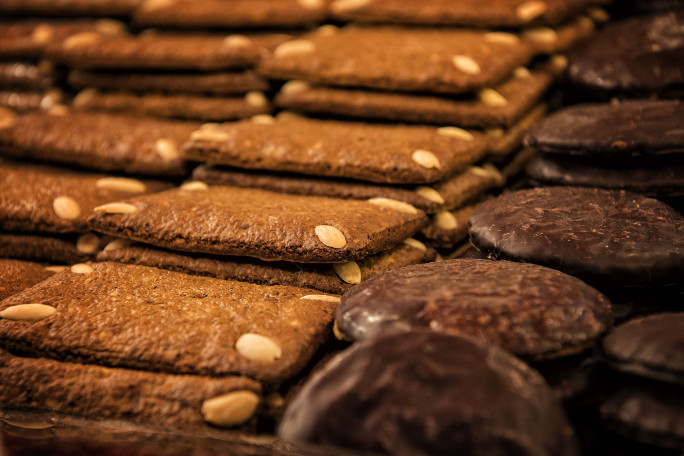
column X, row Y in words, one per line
column 107, row 142
column 98, row 392
column 17, row 275
column 139, row 317
column 174, row 106
column 218, row 83
column 162, row 51
column 447, row 194
column 376, row 153
column 328, row 278
column 239, row 14
column 475, row 13
column 400, row 59
column 27, row 75
column 20, row 100
column 261, row 224
column 499, row 106
column 60, row 249
column 54, row 200
column 69, row 7
column 29, row 38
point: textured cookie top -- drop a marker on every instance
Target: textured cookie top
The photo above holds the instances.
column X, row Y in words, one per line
column 56, row 200
column 524, row 308
column 107, row 142
column 147, row 318
column 641, row 54
column 405, row 394
column 162, row 51
column 69, row 7
column 377, row 153
column 649, row 346
column 602, row 236
column 488, row 13
column 17, row 275
column 262, row 224
column 645, row 127
column 240, row 13
column 402, row 59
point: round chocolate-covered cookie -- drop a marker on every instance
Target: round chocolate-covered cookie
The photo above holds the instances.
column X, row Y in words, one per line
column 639, row 55
column 630, row 128
column 425, row 393
column 606, row 237
column 651, row 346
column 527, row 309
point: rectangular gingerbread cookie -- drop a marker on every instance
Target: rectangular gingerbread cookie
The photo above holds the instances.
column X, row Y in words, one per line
column 446, row 194
column 260, row 224
column 398, row 59
column 371, row 152
column 139, row 317
column 106, row 142
column 471, row 13
column 181, row 402
column 215, row 83
column 163, row 51
column 52, row 248
column 328, row 278
column 174, row 106
column 238, row 14
column 499, row 106
column 41, row 198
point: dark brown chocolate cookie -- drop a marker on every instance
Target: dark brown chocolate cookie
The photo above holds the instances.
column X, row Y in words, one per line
column 424, row 393
column 146, row 318
column 524, row 308
column 261, row 224
column 16, row 276
column 602, row 236
column 630, row 128
column 649, row 347
column 639, row 55
column 107, row 142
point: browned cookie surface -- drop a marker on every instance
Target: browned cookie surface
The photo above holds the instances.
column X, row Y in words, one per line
column 146, row 318
column 261, row 224
column 371, row 152
column 64, row 249
column 526, row 309
column 17, row 275
column 603, row 236
column 69, row 7
column 40, row 198
column 97, row 392
column 488, row 13
column 240, row 13
column 107, row 142
column 394, row 58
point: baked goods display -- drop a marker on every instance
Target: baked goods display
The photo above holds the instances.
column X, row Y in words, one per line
column 305, row 227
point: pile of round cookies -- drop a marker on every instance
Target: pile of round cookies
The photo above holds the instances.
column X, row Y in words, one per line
column 555, row 328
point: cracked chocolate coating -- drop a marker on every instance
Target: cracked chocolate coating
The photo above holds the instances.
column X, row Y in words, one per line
column 163, row 400
column 17, row 275
column 524, row 308
column 477, row 13
column 259, row 223
column 401, row 59
column 371, row 152
column 107, row 142
column 425, row 393
column 649, row 346
column 146, row 318
column 640, row 54
column 630, row 128
column 602, row 236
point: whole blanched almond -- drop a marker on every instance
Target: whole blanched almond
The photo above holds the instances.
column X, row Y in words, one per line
column 232, row 409
column 426, row 159
column 331, row 236
column 81, row 268
column 466, row 64
column 166, row 149
column 237, row 41
column 321, row 298
column 123, row 184
column 415, row 243
column 294, row 47
column 87, row 243
column 446, row 220
column 491, row 97
column 256, row 347
column 530, row 10
column 430, row 194
column 27, row 312
column 116, row 208
column 66, row 208
column 349, row 272
column 393, row 204
column 194, row 186
column 117, row 244
column 455, row 132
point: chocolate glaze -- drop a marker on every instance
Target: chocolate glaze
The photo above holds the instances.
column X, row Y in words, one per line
column 524, row 308
column 602, row 236
column 425, row 393
column 641, row 54
column 632, row 128
column 651, row 346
